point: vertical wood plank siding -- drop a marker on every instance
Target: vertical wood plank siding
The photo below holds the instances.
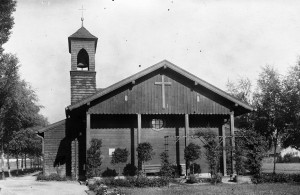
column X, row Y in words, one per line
column 146, row 98
column 53, row 150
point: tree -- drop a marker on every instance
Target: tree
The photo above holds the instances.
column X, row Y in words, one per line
column 291, row 85
column 145, row 153
column 191, row 153
column 6, row 20
column 268, row 100
column 119, row 156
column 242, row 90
column 94, row 160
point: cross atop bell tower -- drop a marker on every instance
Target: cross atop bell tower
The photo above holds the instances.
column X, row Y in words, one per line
column 82, row 47
column 82, row 15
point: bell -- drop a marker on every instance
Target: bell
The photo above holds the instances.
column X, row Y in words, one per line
column 81, row 65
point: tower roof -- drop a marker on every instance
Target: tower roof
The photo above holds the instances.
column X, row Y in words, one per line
column 82, row 34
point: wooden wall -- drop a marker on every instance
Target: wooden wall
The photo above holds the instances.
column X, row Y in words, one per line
column 83, row 83
column 55, row 150
column 121, row 131
column 144, row 97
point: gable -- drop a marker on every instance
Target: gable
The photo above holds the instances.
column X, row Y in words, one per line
column 145, row 96
column 186, row 94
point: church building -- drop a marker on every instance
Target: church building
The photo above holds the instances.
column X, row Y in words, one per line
column 163, row 105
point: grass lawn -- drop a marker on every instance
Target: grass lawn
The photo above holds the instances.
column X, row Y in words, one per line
column 263, row 189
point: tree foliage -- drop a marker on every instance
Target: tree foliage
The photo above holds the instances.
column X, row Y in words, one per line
column 291, row 85
column 94, row 159
column 191, row 153
column 7, row 7
column 144, row 152
column 255, row 147
column 19, row 108
column 167, row 169
column 242, row 90
column 269, row 102
column 119, row 156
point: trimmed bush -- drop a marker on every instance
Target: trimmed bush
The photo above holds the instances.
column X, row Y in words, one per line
column 94, row 159
column 109, row 173
column 144, row 154
column 166, row 169
column 130, row 170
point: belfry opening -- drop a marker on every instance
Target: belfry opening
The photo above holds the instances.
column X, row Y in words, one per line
column 83, row 60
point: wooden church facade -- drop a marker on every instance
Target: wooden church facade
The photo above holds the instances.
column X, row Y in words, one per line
column 163, row 104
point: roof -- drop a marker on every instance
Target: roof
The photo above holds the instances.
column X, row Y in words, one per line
column 162, row 64
column 82, row 33
column 52, row 126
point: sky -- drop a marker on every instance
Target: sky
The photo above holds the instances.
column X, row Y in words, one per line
column 213, row 39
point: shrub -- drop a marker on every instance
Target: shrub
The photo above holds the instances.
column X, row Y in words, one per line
column 94, row 159
column 217, row 178
column 142, row 182
column 51, row 177
column 288, row 158
column 239, row 156
column 276, row 178
column 255, row 147
column 166, row 169
column 177, row 170
column 100, row 190
column 192, row 179
column 130, row 182
column 130, row 170
column 109, row 173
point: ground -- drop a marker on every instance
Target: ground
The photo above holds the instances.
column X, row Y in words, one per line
column 221, row 189
column 29, row 186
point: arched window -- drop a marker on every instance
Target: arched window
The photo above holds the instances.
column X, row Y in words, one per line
column 82, row 60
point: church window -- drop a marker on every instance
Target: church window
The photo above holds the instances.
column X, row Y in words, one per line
column 111, row 151
column 126, row 98
column 82, row 60
column 157, row 124
column 198, row 98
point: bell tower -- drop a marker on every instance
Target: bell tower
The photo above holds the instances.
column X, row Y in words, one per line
column 82, row 47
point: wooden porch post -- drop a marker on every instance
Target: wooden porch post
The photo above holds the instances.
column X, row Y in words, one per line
column 88, row 131
column 224, row 150
column 139, row 121
column 139, row 128
column 187, row 133
column 232, row 141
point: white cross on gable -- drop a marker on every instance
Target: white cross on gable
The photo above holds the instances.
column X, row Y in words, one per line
column 163, row 84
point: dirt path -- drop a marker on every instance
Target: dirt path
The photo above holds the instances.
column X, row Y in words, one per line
column 29, row 186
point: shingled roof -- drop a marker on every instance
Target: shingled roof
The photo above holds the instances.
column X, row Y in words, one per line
column 162, row 64
column 82, row 33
